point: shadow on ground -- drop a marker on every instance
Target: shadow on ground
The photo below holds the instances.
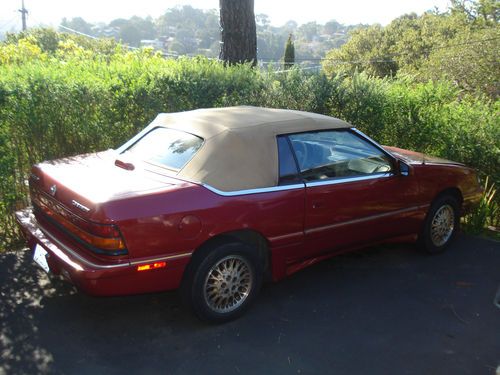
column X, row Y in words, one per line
column 385, row 310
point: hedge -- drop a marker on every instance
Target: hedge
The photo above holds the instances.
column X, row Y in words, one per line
column 75, row 101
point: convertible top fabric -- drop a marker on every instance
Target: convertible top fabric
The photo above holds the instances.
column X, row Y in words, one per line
column 240, row 149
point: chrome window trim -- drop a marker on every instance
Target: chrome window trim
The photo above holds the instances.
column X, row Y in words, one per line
column 295, row 186
column 270, row 189
column 341, row 180
column 368, row 139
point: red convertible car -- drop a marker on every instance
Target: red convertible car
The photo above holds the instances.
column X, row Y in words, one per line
column 216, row 201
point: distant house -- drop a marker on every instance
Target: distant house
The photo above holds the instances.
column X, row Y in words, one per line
column 155, row 43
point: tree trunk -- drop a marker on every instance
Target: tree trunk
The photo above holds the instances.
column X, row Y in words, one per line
column 239, row 36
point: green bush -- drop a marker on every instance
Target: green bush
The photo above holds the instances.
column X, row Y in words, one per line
column 487, row 212
column 69, row 99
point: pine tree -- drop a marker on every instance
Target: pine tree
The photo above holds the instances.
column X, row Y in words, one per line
column 289, row 58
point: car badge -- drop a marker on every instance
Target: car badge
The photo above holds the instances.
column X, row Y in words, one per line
column 53, row 190
column 80, row 206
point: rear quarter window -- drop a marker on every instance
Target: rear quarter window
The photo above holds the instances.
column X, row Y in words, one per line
column 288, row 172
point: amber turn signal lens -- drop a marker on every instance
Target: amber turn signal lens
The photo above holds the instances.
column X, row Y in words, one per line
column 101, row 236
column 151, row 266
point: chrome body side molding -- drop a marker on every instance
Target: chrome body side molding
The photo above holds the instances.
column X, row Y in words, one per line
column 302, row 185
column 365, row 219
column 270, row 189
column 348, row 179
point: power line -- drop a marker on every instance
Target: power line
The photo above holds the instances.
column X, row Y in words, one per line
column 297, row 68
column 169, row 54
column 387, row 58
column 77, row 32
column 3, row 25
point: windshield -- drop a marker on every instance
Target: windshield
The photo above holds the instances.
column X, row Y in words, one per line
column 168, row 147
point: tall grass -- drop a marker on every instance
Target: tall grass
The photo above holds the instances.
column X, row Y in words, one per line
column 73, row 100
column 487, row 213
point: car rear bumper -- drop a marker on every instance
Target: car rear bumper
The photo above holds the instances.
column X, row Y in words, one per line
column 97, row 278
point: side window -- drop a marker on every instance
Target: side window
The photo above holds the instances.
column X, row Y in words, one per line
column 287, row 166
column 335, row 154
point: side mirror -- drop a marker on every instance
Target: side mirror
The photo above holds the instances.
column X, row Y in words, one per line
column 403, row 168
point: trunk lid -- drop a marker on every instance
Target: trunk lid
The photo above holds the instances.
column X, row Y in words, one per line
column 83, row 182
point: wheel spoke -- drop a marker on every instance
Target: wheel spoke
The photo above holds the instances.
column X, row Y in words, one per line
column 228, row 284
column 442, row 225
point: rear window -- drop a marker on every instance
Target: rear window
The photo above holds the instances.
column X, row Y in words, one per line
column 167, row 147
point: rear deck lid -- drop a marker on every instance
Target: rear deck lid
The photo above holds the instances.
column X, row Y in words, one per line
column 83, row 182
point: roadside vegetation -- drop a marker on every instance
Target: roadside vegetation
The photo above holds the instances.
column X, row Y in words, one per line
column 63, row 95
column 187, row 30
column 460, row 46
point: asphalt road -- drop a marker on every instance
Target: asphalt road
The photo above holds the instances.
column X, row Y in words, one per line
column 386, row 310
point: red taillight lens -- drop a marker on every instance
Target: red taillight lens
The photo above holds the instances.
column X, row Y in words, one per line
column 104, row 230
column 105, row 237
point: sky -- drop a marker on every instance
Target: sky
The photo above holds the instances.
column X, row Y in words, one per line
column 50, row 12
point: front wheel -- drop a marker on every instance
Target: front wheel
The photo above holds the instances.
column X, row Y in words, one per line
column 441, row 225
column 224, row 283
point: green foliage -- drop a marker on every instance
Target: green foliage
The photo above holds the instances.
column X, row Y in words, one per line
column 187, row 30
column 486, row 214
column 71, row 99
column 460, row 46
column 49, row 42
column 289, row 57
column 366, row 50
column 473, row 66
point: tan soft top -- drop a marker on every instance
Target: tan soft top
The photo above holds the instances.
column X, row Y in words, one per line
column 240, row 149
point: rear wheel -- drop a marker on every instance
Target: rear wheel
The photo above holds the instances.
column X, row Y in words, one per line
column 222, row 285
column 441, row 225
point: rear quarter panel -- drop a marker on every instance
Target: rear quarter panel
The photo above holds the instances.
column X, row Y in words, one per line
column 182, row 219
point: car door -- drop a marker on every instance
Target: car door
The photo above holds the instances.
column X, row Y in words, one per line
column 354, row 195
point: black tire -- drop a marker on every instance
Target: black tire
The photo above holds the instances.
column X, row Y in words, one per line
column 439, row 228
column 216, row 297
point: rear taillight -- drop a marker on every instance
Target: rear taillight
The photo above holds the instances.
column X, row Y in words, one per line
column 102, row 238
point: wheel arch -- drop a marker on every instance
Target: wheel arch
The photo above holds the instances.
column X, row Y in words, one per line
column 248, row 237
column 424, row 239
column 450, row 191
column 455, row 192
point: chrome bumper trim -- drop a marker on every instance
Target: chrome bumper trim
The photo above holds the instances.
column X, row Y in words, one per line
column 159, row 259
column 28, row 221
